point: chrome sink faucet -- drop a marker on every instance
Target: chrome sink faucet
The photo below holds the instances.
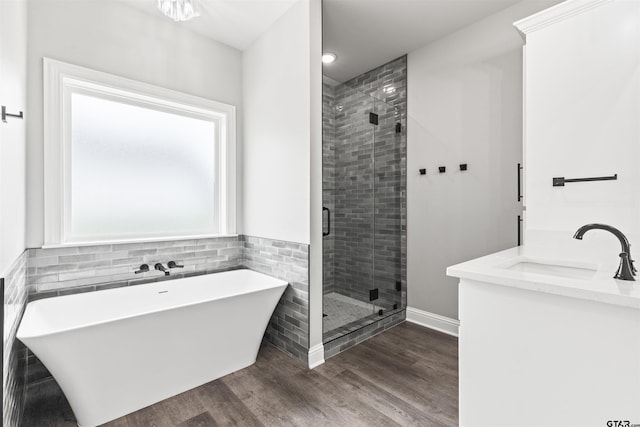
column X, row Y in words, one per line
column 626, row 270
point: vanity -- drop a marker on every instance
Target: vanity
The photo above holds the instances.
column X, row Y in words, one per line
column 547, row 336
column 547, row 340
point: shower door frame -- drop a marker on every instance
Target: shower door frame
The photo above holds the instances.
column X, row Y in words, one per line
column 400, row 303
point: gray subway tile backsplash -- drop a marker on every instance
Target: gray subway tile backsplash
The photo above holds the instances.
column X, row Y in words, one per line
column 14, row 353
column 288, row 328
column 73, row 267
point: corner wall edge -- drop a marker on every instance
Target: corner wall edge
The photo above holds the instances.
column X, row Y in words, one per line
column 316, row 356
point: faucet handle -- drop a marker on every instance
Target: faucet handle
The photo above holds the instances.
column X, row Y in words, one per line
column 625, row 270
column 143, row 269
column 158, row 266
column 172, row 264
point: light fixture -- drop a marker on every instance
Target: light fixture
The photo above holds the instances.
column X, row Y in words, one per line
column 328, row 58
column 180, row 10
column 388, row 89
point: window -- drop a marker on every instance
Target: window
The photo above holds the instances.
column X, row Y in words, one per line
column 128, row 161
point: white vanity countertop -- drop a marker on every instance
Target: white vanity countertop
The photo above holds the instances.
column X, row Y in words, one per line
column 545, row 269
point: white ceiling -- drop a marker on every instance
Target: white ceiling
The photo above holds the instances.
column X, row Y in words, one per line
column 236, row 23
column 362, row 33
column 367, row 33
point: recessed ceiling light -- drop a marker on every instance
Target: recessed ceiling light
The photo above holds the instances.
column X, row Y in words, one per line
column 328, row 58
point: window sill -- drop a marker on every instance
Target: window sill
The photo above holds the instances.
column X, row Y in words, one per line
column 143, row 240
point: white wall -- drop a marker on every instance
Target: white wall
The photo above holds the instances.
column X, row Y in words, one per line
column 316, row 356
column 111, row 37
column 13, row 85
column 583, row 120
column 276, row 146
column 464, row 106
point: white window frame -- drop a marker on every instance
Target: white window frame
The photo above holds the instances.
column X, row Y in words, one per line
column 60, row 81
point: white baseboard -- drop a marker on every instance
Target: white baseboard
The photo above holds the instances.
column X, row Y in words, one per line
column 433, row 321
column 316, row 356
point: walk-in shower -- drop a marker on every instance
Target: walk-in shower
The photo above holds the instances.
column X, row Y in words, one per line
column 364, row 199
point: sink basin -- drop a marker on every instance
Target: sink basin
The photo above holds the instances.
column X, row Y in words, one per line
column 552, row 268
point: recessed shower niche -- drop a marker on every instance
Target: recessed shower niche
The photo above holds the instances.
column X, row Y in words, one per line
column 364, row 200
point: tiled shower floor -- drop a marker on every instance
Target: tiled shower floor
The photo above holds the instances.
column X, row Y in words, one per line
column 341, row 310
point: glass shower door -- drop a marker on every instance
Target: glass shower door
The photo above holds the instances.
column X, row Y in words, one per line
column 348, row 182
column 388, row 199
column 364, row 158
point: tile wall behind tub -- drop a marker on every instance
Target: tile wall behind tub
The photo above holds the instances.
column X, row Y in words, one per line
column 13, row 363
column 60, row 271
column 288, row 328
column 355, row 180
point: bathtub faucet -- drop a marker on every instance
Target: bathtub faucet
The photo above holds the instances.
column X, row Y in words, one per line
column 160, row 267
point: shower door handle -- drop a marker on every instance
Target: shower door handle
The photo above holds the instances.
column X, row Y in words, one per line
column 328, row 222
column 519, row 182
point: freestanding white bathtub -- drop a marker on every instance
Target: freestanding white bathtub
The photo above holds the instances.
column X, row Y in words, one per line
column 118, row 350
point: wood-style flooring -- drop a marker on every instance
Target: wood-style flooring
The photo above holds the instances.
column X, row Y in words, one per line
column 406, row 376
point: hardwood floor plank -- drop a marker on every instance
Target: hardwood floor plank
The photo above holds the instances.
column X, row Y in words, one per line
column 389, row 404
column 224, row 407
column 151, row 416
column 203, row 420
column 441, row 348
column 183, row 406
column 47, row 407
column 438, row 399
column 271, row 361
column 266, row 398
column 324, row 394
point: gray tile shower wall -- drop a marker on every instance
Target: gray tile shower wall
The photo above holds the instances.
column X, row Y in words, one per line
column 328, row 185
column 353, row 218
column 14, row 353
column 58, row 271
column 288, row 328
column 369, row 184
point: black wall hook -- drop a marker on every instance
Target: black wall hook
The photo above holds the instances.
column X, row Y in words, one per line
column 5, row 115
column 442, row 169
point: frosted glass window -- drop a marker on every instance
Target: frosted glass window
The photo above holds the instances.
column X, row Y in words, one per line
column 128, row 161
column 137, row 171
